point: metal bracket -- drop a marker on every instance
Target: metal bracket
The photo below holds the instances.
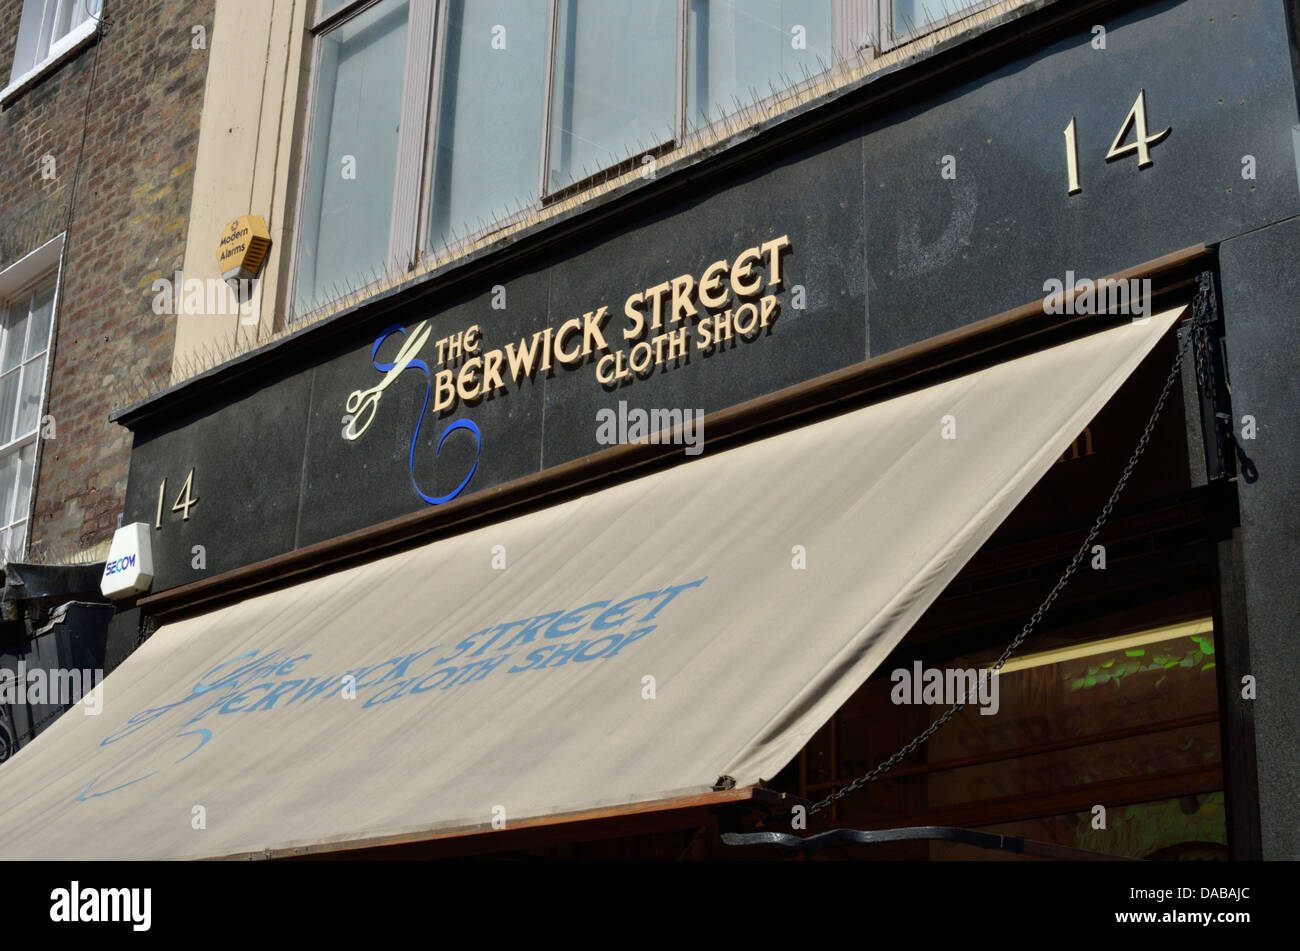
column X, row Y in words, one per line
column 1212, row 380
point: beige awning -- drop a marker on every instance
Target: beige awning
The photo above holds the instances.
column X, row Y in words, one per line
column 640, row 643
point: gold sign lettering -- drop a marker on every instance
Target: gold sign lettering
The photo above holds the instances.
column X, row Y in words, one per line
column 732, row 299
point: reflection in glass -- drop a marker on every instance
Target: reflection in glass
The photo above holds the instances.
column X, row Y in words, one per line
column 349, row 188
column 489, row 115
column 613, row 85
column 8, row 485
column 29, row 398
column 741, row 51
column 26, row 465
column 15, row 334
column 41, row 317
column 8, row 404
column 16, row 538
column 910, row 15
column 63, row 15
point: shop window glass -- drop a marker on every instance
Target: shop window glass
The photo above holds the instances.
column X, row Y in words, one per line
column 1117, row 714
column 910, row 15
column 613, row 85
column 353, row 156
column 489, row 114
column 741, row 51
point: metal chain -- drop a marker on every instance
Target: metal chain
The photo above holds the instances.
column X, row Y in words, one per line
column 1199, row 319
column 1200, row 334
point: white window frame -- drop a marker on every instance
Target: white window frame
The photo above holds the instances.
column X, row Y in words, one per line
column 29, row 65
column 19, row 278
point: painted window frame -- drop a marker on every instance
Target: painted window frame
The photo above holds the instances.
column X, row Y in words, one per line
column 30, row 63
column 24, row 277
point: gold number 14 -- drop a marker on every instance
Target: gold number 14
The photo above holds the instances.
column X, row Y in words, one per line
column 185, row 501
column 1141, row 144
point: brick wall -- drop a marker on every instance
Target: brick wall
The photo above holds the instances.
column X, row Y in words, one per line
column 128, row 229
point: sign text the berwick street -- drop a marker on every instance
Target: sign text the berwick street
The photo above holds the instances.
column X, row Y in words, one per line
column 731, row 298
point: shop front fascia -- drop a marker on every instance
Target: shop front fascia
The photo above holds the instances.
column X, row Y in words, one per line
column 922, row 226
